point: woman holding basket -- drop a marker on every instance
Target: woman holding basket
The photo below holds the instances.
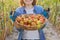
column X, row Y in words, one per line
column 29, row 7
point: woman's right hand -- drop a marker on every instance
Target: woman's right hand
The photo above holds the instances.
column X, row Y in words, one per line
column 17, row 25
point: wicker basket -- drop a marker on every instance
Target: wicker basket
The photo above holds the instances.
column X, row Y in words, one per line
column 34, row 26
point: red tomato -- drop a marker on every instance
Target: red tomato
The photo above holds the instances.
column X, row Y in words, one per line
column 42, row 19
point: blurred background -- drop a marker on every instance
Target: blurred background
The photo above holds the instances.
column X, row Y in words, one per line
column 6, row 6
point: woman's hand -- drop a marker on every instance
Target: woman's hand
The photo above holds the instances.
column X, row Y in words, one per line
column 24, row 27
column 17, row 25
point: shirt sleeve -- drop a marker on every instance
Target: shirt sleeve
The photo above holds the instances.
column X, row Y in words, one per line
column 16, row 13
column 41, row 10
column 45, row 14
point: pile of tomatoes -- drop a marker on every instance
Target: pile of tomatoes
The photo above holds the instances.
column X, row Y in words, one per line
column 31, row 20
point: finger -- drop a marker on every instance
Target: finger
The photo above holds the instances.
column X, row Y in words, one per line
column 17, row 22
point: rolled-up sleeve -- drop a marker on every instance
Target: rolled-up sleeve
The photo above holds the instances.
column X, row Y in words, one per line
column 45, row 13
column 16, row 13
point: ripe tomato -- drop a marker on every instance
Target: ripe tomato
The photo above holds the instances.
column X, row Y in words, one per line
column 42, row 19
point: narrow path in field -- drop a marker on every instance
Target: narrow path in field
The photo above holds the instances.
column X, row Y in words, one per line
column 48, row 30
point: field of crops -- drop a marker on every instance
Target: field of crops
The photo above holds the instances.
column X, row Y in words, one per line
column 6, row 6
